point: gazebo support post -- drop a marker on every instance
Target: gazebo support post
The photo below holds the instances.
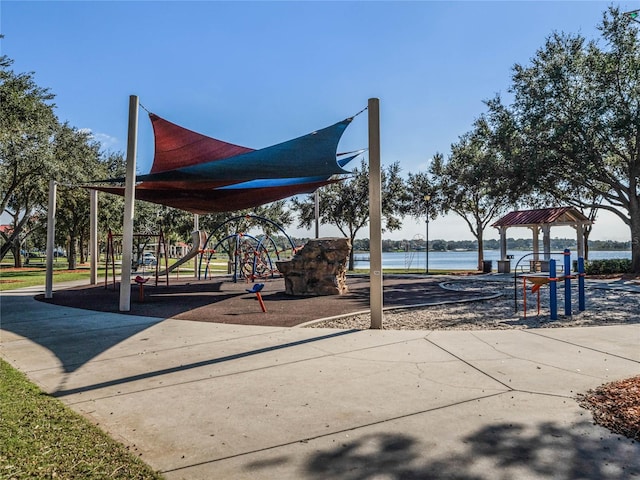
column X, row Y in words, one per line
column 535, row 230
column 503, row 243
column 546, row 241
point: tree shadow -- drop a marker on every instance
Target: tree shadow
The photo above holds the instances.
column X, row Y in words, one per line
column 74, row 336
column 500, row 451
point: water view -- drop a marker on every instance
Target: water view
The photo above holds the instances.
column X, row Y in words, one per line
column 467, row 260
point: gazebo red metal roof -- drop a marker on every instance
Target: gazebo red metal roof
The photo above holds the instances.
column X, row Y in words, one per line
column 555, row 216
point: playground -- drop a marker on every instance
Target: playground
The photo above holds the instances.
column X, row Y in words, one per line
column 439, row 302
column 221, row 300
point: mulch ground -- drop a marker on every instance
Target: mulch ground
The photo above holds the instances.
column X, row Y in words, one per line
column 223, row 301
column 616, row 406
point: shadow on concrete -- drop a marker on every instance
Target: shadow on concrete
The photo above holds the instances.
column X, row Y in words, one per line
column 500, row 451
column 203, row 363
column 74, row 336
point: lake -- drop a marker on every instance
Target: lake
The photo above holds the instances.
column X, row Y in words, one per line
column 464, row 260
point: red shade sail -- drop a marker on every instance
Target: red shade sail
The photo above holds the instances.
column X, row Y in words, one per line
column 195, row 173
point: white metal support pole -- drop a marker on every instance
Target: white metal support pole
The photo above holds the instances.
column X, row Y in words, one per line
column 375, row 215
column 196, row 228
column 94, row 254
column 129, row 202
column 51, row 234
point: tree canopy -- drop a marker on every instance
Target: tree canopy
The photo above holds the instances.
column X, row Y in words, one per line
column 572, row 132
column 470, row 182
column 27, row 124
column 345, row 204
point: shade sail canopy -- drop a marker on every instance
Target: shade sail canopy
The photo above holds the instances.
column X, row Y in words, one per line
column 204, row 201
column 313, row 154
column 178, row 147
column 201, row 174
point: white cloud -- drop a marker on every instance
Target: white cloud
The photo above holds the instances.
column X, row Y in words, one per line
column 107, row 142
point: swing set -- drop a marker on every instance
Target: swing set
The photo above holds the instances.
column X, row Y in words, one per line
column 160, row 253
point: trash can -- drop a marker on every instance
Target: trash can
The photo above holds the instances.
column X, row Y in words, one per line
column 504, row 266
column 486, row 266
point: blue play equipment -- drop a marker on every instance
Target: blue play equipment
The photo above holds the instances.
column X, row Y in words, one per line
column 257, row 287
column 552, row 280
column 553, row 300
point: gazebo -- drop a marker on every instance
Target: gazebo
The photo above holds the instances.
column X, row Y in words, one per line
column 540, row 219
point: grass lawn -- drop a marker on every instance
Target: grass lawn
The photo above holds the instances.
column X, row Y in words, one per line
column 12, row 278
column 29, row 276
column 42, row 438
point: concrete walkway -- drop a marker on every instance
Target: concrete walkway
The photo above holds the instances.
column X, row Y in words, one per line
column 212, row 401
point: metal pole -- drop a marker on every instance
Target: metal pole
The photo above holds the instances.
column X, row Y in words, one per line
column 427, row 199
column 581, row 298
column 317, row 212
column 567, row 282
column 93, row 237
column 427, row 242
column 375, row 215
column 553, row 285
column 196, row 259
column 129, row 204
column 51, row 233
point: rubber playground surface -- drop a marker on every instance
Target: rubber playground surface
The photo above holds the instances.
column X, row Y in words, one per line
column 220, row 300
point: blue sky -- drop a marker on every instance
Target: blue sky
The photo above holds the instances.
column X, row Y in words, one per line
column 258, row 73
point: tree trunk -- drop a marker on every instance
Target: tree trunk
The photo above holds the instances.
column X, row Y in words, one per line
column 480, row 248
column 634, row 213
column 82, row 256
column 17, row 255
column 586, row 233
column 352, row 257
column 71, row 253
column 5, row 248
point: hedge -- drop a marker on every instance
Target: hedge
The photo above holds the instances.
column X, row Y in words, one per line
column 609, row 266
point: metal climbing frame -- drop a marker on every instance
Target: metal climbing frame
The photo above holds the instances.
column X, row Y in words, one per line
column 250, row 257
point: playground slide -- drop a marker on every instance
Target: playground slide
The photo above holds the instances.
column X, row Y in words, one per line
column 198, row 239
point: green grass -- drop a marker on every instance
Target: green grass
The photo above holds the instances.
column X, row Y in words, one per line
column 42, row 438
column 31, row 276
column 35, row 275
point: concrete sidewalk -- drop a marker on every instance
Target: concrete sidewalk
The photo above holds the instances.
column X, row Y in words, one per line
column 207, row 401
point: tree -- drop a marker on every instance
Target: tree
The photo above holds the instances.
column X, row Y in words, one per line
column 27, row 124
column 419, row 186
column 78, row 157
column 573, row 129
column 469, row 182
column 111, row 210
column 345, row 204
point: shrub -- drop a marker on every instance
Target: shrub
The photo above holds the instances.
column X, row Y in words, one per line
column 609, row 266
